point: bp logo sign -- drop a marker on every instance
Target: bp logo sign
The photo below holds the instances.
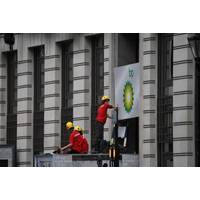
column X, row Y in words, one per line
column 127, row 90
column 128, row 97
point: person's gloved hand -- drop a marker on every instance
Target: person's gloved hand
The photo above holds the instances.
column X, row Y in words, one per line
column 57, row 151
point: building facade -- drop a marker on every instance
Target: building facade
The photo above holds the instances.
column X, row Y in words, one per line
column 50, row 78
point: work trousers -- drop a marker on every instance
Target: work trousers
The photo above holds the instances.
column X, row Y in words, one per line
column 99, row 136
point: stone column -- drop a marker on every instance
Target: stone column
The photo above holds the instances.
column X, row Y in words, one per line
column 52, row 96
column 81, row 84
column 148, row 114
column 24, row 107
column 3, row 99
column 183, row 103
column 108, row 79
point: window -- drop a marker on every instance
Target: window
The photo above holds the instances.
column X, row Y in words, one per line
column 165, row 100
column 38, row 99
column 11, row 98
column 67, row 89
column 97, row 43
column 128, row 48
column 128, row 53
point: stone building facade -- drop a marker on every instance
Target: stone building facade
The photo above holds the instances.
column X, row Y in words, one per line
column 158, row 144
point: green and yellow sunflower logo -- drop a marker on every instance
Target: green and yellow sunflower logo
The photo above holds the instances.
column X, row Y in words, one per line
column 128, row 96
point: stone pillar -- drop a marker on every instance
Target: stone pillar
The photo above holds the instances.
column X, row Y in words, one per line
column 183, row 103
column 24, row 108
column 81, row 84
column 108, row 79
column 148, row 114
column 52, row 96
column 3, row 99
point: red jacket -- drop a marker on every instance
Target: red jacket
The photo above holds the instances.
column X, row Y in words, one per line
column 102, row 112
column 75, row 140
column 84, row 145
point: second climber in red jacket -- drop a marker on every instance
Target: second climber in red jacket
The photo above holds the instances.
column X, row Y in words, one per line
column 84, row 142
column 77, row 142
column 100, row 121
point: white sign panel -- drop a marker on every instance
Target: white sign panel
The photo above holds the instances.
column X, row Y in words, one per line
column 121, row 131
column 127, row 90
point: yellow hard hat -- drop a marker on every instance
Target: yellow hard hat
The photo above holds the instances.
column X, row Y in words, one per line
column 78, row 128
column 105, row 98
column 69, row 125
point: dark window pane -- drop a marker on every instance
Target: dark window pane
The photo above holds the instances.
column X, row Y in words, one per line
column 11, row 97
column 3, row 163
column 97, row 43
column 165, row 100
column 128, row 48
column 38, row 99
